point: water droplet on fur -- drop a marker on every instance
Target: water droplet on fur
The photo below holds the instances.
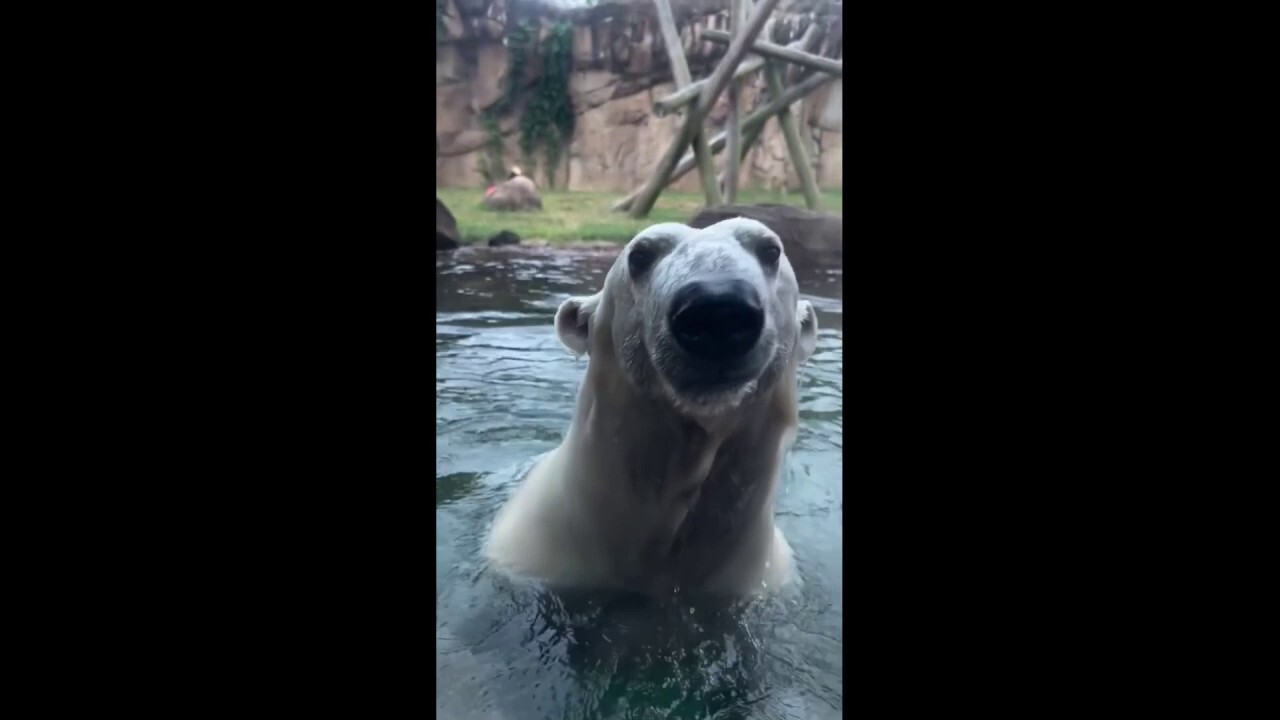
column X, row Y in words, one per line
column 690, row 611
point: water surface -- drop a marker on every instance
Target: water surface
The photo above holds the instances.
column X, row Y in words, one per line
column 505, row 394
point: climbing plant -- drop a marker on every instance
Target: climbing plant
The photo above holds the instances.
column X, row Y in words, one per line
column 547, row 120
column 492, row 163
column 518, row 36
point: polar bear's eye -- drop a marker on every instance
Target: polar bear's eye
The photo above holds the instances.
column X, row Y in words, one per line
column 769, row 254
column 639, row 258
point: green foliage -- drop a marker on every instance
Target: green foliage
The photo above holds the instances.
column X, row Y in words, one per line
column 569, row 217
column 548, row 120
column 492, row 164
column 519, row 34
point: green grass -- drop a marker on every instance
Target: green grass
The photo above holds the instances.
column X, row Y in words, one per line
column 569, row 217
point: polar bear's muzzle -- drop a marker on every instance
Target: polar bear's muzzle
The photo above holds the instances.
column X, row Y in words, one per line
column 718, row 321
column 716, row 342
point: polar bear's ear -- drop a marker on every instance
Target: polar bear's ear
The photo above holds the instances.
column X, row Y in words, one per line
column 573, row 322
column 807, row 319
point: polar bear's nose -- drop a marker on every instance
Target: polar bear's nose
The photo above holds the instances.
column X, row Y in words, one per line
column 717, row 321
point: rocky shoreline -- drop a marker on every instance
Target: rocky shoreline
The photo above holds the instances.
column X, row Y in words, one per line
column 539, row 244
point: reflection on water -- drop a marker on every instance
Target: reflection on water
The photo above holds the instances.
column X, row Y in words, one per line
column 505, row 390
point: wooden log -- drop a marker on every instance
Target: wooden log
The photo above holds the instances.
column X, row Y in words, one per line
column 750, row 135
column 733, row 139
column 695, row 115
column 733, row 144
column 678, row 99
column 795, row 146
column 752, row 123
column 780, row 52
column 680, row 70
column 723, row 73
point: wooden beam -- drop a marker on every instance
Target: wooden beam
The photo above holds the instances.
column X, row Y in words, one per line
column 753, row 123
column 680, row 71
column 695, row 115
column 795, row 144
column 750, row 134
column 733, row 140
column 779, row 52
column 678, row 99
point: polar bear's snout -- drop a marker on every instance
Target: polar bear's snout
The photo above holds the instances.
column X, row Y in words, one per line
column 717, row 321
column 700, row 320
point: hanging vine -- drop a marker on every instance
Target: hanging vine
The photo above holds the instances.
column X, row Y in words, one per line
column 547, row 121
column 518, row 37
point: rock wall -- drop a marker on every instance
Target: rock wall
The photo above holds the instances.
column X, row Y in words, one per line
column 619, row 68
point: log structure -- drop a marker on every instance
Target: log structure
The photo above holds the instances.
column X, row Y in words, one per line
column 749, row 50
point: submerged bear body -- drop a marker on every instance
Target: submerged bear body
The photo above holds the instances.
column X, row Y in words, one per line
column 667, row 476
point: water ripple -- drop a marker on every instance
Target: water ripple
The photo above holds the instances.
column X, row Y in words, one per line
column 505, row 389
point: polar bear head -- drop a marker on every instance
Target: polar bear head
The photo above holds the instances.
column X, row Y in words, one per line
column 701, row 318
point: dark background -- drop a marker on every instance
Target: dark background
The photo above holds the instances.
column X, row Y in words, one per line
column 275, row 171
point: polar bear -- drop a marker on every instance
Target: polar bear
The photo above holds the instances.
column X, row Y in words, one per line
column 667, row 476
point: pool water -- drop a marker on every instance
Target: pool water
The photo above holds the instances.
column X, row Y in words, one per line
column 505, row 392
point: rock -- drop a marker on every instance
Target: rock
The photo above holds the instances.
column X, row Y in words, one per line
column 491, row 76
column 446, row 228
column 506, row 237
column 457, row 97
column 828, row 107
column 591, row 89
column 461, row 143
column 616, row 144
column 518, row 193
column 806, row 235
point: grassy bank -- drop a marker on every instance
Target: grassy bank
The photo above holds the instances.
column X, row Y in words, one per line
column 574, row 216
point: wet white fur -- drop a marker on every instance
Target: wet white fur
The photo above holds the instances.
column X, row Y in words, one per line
column 651, row 490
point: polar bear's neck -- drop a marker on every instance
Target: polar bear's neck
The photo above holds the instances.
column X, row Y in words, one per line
column 674, row 496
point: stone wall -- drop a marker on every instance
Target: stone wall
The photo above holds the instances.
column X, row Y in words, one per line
column 620, row 68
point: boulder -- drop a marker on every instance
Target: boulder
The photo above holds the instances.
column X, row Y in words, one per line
column 518, row 193
column 806, row 235
column 505, row 237
column 447, row 237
